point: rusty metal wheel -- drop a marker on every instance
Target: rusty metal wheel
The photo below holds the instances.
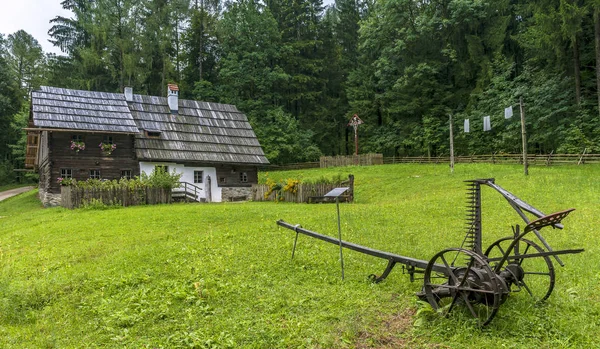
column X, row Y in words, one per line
column 458, row 276
column 535, row 275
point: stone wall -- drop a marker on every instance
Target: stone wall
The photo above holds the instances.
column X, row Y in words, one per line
column 49, row 199
column 236, row 193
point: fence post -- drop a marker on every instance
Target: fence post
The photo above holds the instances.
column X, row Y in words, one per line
column 549, row 158
column 581, row 158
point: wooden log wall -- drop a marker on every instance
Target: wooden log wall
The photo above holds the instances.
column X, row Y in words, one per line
column 73, row 197
column 92, row 158
column 229, row 175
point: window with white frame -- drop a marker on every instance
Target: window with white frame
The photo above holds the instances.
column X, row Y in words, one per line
column 243, row 177
column 126, row 174
column 198, row 175
column 66, row 173
column 95, row 174
column 107, row 140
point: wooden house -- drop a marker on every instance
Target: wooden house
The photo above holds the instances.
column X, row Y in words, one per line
column 85, row 134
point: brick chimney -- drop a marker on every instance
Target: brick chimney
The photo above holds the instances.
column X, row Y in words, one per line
column 173, row 98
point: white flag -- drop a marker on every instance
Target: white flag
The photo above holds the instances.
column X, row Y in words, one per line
column 487, row 125
column 467, row 126
column 508, row 112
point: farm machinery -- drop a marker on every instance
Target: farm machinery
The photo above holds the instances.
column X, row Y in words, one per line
column 477, row 279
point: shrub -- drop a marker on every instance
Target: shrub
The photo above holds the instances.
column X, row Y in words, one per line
column 160, row 178
column 157, row 179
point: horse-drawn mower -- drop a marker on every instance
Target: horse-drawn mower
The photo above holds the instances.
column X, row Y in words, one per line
column 478, row 279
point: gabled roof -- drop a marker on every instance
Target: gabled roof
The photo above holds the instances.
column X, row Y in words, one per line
column 201, row 132
column 62, row 108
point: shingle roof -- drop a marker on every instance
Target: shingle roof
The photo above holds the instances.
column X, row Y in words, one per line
column 202, row 132
column 81, row 110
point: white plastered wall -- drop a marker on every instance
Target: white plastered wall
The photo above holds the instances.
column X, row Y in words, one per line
column 188, row 176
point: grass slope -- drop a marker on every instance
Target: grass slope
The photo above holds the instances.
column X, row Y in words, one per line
column 220, row 275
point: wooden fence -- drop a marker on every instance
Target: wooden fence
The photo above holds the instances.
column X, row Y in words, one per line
column 351, row 160
column 304, row 193
column 73, row 197
column 533, row 159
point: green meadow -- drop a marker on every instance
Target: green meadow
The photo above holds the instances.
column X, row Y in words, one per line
column 221, row 275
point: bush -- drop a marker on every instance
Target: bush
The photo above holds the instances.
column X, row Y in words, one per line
column 157, row 179
column 160, row 178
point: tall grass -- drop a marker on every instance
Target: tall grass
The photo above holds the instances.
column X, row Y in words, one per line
column 221, row 276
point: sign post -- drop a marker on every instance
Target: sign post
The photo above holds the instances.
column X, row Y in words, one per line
column 354, row 122
column 335, row 193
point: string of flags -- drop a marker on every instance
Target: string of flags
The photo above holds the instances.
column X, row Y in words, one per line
column 487, row 123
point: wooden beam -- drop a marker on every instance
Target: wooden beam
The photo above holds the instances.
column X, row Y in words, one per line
column 75, row 130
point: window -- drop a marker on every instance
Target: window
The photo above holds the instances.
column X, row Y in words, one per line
column 66, row 173
column 126, row 174
column 198, row 176
column 161, row 168
column 95, row 174
column 153, row 133
column 77, row 138
column 243, row 177
column 107, row 140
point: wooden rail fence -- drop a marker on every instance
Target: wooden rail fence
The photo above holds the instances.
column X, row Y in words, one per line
column 73, row 197
column 330, row 161
column 533, row 159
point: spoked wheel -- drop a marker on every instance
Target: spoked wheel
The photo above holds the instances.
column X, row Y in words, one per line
column 534, row 275
column 457, row 276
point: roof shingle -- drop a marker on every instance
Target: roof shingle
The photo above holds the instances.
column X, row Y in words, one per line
column 201, row 132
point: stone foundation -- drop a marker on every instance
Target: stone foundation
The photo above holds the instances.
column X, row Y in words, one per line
column 236, row 193
column 49, row 199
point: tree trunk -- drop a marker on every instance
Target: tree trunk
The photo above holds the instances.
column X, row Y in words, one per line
column 576, row 70
column 177, row 47
column 597, row 37
column 201, row 53
column 121, row 51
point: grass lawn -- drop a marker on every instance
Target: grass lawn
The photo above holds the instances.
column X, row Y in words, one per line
column 220, row 275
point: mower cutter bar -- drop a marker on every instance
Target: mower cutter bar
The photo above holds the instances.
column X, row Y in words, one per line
column 390, row 257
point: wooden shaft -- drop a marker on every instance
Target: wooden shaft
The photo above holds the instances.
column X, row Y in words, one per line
column 524, row 137
column 451, row 147
column 356, row 140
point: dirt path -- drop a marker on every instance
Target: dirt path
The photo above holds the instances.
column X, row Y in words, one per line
column 10, row 193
